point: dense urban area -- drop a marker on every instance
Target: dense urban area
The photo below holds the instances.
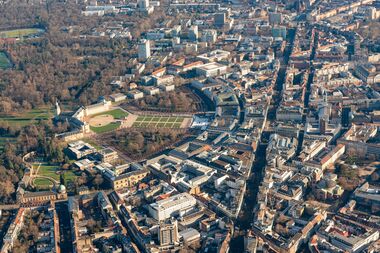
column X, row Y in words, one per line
column 209, row 126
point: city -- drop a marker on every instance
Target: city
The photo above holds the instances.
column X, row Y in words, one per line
column 190, row 126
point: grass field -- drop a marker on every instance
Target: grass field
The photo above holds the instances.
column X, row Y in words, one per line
column 18, row 33
column 116, row 114
column 5, row 63
column 27, row 118
column 158, row 122
column 107, row 128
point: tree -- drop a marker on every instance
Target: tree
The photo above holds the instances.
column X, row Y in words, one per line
column 98, row 180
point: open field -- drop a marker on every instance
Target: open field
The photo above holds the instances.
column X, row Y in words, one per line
column 18, row 33
column 158, row 122
column 27, row 118
column 5, row 63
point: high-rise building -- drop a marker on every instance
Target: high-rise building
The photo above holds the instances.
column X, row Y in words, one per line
column 168, row 233
column 144, row 50
column 346, row 116
column 193, row 33
column 220, row 19
column 145, row 7
column 275, row 18
column 143, row 4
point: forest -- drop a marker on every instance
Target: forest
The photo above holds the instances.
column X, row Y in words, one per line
column 62, row 63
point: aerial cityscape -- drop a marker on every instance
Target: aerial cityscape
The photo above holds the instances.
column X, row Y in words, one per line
column 211, row 126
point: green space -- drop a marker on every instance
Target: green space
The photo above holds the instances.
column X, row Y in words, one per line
column 116, row 114
column 158, row 121
column 18, row 33
column 5, row 63
column 27, row 118
column 107, row 128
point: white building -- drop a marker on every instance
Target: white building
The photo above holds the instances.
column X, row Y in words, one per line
column 211, row 69
column 178, row 204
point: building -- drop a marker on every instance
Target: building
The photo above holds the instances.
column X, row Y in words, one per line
column 220, row 19
column 107, row 155
column 209, row 35
column 211, row 69
column 178, row 204
column 144, row 50
column 135, row 94
column 279, row 31
column 346, row 116
column 193, row 33
column 368, row 195
column 145, row 6
column 168, row 233
column 118, row 97
column 275, row 18
column 79, row 149
column 42, row 197
column 128, row 179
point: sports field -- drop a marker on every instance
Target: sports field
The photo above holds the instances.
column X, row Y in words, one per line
column 5, row 63
column 158, row 121
column 18, row 33
column 27, row 118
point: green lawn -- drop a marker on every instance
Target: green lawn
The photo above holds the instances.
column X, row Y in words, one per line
column 116, row 114
column 158, row 121
column 18, row 33
column 5, row 63
column 27, row 118
column 107, row 128
column 49, row 171
column 42, row 183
